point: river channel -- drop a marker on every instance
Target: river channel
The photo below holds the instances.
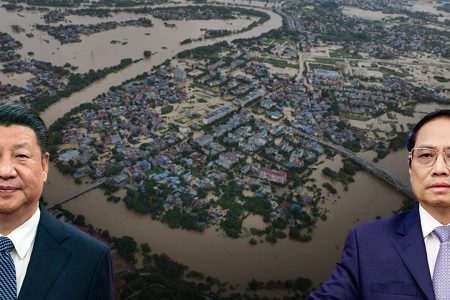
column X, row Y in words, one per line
column 232, row 260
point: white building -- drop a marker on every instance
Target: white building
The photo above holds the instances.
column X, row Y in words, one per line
column 180, row 75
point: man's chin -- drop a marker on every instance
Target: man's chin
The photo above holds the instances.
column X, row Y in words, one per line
column 439, row 203
column 8, row 206
column 7, row 210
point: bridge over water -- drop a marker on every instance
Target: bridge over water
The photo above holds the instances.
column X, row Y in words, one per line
column 381, row 174
column 77, row 193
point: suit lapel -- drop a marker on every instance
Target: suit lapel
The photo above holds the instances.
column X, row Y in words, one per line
column 411, row 249
column 47, row 259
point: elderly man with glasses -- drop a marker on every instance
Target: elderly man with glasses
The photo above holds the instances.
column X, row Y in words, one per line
column 406, row 256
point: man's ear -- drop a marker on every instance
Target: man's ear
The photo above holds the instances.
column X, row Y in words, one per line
column 45, row 161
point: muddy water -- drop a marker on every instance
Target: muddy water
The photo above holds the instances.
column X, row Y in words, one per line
column 19, row 80
column 96, row 51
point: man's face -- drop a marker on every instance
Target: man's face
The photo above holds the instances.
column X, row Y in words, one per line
column 431, row 184
column 23, row 171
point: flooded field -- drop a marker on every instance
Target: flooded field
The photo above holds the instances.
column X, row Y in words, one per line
column 368, row 14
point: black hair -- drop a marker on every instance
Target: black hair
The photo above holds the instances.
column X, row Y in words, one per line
column 17, row 114
column 411, row 141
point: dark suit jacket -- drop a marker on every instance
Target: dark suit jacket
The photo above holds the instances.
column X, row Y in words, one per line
column 385, row 259
column 66, row 264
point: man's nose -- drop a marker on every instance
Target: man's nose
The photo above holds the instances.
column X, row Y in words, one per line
column 7, row 169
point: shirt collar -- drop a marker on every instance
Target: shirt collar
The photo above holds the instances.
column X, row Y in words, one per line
column 23, row 236
column 427, row 221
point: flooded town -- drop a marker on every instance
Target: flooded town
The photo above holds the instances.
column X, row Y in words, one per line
column 223, row 150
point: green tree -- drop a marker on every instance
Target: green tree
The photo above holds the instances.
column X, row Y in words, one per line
column 126, row 247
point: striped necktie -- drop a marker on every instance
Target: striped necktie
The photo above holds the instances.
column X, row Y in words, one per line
column 441, row 278
column 7, row 270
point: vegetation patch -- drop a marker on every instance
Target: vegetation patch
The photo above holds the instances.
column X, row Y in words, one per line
column 345, row 53
column 391, row 72
column 441, row 79
column 327, row 61
column 279, row 63
column 166, row 109
column 358, row 117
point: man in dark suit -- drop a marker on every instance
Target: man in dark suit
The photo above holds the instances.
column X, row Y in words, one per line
column 402, row 257
column 50, row 260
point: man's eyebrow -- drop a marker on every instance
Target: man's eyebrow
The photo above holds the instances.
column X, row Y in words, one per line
column 21, row 145
column 429, row 147
column 425, row 146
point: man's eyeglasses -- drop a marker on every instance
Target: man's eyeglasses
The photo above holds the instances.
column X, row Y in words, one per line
column 428, row 156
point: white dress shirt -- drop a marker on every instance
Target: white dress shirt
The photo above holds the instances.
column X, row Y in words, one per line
column 432, row 243
column 23, row 239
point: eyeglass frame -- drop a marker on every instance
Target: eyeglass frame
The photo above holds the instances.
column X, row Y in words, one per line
column 447, row 162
